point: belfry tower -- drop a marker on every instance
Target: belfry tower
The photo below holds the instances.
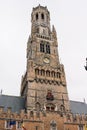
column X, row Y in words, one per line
column 44, row 83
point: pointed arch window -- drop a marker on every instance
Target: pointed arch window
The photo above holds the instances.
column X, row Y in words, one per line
column 48, row 48
column 50, row 107
column 48, row 73
column 37, row 71
column 42, row 72
column 80, row 127
column 42, row 47
column 36, row 16
column 45, row 47
column 53, row 125
column 42, row 16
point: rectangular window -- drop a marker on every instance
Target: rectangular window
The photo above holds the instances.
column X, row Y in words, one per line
column 36, row 128
column 7, row 124
column 18, row 125
column 80, row 127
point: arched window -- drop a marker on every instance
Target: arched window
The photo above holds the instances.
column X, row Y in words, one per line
column 48, row 48
column 31, row 113
column 37, row 71
column 36, row 16
column 45, row 47
column 58, row 75
column 37, row 30
column 48, row 73
column 49, row 95
column 42, row 16
column 53, row 125
column 53, row 74
column 62, row 108
column 42, row 47
column 50, row 107
column 38, row 106
column 42, row 72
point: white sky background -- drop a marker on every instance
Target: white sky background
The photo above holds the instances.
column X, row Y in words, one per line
column 70, row 20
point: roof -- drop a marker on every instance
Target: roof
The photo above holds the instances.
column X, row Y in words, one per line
column 16, row 103
column 78, row 107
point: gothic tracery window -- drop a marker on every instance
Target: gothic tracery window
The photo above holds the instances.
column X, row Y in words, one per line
column 42, row 47
column 47, row 48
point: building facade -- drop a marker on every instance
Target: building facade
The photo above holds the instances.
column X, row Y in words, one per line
column 43, row 103
column 44, row 84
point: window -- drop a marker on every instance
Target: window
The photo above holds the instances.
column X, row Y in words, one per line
column 47, row 48
column 37, row 16
column 80, row 127
column 18, row 125
column 62, row 108
column 31, row 114
column 36, row 128
column 8, row 125
column 41, row 47
column 58, row 75
column 50, row 107
column 53, row 125
column 37, row 71
column 42, row 72
column 53, row 74
column 42, row 16
column 48, row 73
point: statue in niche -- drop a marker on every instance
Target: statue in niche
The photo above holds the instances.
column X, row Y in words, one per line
column 49, row 95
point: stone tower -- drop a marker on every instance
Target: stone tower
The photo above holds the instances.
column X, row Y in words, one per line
column 44, row 83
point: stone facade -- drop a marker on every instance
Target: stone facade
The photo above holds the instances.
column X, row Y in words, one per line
column 44, row 74
column 44, row 87
column 43, row 120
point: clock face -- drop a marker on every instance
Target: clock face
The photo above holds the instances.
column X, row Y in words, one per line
column 46, row 60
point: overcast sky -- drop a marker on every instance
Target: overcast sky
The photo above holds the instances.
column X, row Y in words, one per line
column 70, row 20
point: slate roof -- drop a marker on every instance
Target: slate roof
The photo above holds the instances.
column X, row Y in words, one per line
column 15, row 102
column 78, row 107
